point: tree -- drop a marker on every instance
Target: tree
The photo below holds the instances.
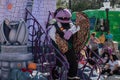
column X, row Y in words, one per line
column 80, row 5
column 62, row 3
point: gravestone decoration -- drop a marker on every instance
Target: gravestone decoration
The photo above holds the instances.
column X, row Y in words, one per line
column 14, row 32
column 14, row 54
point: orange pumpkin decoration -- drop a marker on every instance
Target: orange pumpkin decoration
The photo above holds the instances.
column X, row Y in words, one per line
column 9, row 6
column 32, row 66
column 19, row 65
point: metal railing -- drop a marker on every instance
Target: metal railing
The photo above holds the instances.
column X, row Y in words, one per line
column 43, row 49
column 96, row 65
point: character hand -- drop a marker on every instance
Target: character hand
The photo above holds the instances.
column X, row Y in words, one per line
column 67, row 35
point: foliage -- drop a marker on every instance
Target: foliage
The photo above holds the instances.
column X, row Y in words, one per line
column 80, row 5
column 62, row 3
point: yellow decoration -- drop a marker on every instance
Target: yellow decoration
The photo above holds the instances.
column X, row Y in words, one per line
column 32, row 66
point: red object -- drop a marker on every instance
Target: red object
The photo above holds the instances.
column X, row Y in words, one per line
column 82, row 62
column 26, row 70
column 30, row 71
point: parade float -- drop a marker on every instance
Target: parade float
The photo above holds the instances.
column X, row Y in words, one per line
column 14, row 53
column 21, row 37
column 105, row 19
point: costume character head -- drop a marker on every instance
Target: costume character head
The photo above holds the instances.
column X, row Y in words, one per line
column 62, row 15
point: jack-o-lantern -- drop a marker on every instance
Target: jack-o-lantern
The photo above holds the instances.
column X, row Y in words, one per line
column 32, row 66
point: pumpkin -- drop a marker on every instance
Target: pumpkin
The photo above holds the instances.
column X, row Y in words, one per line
column 32, row 66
